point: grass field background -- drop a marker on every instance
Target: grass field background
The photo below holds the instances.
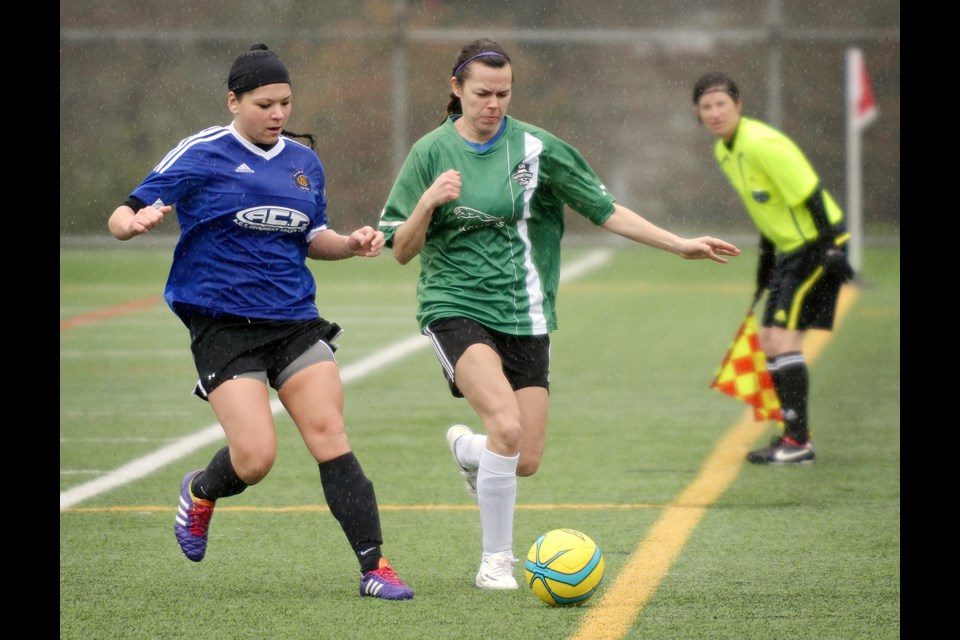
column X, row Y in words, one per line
column 642, row 455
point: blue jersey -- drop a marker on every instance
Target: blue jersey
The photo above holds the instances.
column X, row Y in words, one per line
column 246, row 219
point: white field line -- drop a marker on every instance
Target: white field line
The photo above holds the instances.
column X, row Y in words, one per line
column 144, row 466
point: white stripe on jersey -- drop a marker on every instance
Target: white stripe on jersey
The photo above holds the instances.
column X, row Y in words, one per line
column 533, row 148
column 211, row 133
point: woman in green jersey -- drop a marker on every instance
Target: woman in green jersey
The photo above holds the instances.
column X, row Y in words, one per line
column 803, row 249
column 481, row 200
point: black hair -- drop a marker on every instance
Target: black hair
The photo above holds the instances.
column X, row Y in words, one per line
column 309, row 137
column 256, row 67
column 482, row 50
column 715, row 80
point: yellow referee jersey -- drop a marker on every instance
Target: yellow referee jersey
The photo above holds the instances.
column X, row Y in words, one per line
column 774, row 177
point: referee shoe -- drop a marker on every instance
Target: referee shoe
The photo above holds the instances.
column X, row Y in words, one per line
column 783, row 450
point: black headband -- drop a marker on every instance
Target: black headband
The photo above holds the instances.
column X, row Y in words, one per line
column 255, row 68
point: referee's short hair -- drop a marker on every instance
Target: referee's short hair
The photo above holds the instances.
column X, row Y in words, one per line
column 715, row 80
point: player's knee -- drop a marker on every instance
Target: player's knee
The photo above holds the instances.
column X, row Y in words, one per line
column 254, row 467
column 504, row 436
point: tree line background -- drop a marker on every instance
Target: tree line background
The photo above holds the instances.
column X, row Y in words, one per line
column 613, row 78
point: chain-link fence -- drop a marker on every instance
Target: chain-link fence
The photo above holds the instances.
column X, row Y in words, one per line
column 612, row 78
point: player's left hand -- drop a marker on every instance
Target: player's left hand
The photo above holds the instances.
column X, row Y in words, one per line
column 707, row 247
column 366, row 242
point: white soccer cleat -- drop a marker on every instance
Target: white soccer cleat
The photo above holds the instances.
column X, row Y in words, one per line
column 469, row 474
column 496, row 572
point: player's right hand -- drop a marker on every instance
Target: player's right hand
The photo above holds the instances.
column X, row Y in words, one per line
column 148, row 218
column 446, row 188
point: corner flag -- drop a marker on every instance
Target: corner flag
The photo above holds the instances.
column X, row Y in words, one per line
column 743, row 373
column 862, row 105
column 861, row 112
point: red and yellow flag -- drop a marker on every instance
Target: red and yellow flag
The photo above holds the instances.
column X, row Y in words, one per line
column 743, row 373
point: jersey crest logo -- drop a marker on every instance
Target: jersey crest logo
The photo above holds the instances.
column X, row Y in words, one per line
column 301, row 180
column 522, row 176
column 270, row 218
column 473, row 219
column 761, row 196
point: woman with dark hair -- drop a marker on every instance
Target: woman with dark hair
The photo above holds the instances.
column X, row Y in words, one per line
column 803, row 249
column 252, row 209
column 481, row 200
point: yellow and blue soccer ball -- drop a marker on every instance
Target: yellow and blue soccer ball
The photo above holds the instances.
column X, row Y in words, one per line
column 564, row 567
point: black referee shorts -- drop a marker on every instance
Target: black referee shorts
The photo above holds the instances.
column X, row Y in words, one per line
column 228, row 347
column 526, row 359
column 801, row 295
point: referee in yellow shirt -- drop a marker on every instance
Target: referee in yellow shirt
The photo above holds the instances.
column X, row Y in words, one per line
column 803, row 249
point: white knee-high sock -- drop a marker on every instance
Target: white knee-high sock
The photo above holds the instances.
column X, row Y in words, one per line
column 497, row 497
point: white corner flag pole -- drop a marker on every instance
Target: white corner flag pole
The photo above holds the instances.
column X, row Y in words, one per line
column 861, row 111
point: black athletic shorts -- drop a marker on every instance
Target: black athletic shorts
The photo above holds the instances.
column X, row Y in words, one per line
column 801, row 296
column 228, row 347
column 526, row 359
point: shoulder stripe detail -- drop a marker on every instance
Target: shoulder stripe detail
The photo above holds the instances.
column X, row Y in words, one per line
column 206, row 135
column 296, row 142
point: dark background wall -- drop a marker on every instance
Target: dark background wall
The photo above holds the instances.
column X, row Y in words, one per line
column 612, row 77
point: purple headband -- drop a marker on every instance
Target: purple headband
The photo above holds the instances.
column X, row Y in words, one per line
column 479, row 55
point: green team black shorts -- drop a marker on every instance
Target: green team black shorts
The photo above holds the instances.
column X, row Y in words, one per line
column 801, row 296
column 526, row 359
column 227, row 347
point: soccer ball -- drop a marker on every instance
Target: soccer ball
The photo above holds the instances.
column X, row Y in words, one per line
column 564, row 567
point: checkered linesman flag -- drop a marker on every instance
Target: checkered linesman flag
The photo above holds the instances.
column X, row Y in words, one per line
column 743, row 373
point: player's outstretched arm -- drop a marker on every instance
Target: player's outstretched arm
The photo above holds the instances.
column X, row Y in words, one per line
column 633, row 226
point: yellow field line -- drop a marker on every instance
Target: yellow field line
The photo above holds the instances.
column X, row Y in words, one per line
column 315, row 508
column 613, row 615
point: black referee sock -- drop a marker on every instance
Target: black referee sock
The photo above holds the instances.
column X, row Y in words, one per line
column 350, row 496
column 218, row 480
column 791, row 379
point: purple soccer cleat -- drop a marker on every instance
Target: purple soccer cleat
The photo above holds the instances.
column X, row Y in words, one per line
column 193, row 520
column 384, row 583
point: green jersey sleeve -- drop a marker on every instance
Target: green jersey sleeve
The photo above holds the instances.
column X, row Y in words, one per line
column 568, row 174
column 412, row 180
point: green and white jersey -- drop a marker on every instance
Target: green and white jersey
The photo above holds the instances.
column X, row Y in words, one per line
column 493, row 255
column 774, row 177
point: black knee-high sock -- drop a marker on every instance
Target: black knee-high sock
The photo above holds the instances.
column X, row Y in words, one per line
column 349, row 494
column 218, row 480
column 791, row 379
